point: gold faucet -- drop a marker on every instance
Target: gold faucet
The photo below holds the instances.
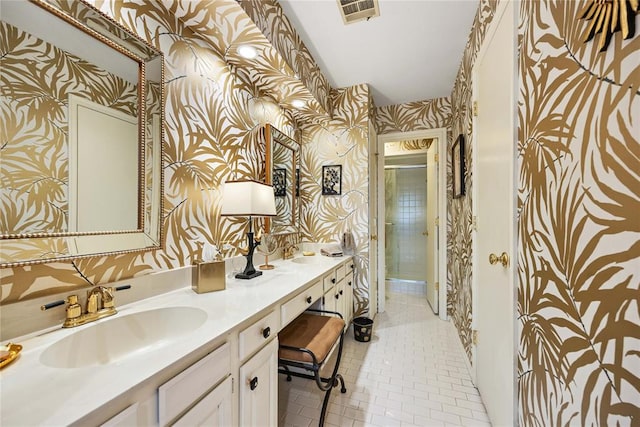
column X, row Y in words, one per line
column 94, row 311
column 288, row 249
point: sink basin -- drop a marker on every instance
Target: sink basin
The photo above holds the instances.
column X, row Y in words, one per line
column 307, row 260
column 116, row 338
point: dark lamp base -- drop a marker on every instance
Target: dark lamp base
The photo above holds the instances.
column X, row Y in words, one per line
column 248, row 276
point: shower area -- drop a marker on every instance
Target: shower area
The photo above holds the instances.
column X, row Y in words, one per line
column 406, row 228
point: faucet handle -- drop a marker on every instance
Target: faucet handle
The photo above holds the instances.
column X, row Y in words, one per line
column 92, row 301
column 107, row 297
column 73, row 310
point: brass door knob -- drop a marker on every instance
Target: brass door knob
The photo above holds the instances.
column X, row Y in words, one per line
column 425, row 233
column 374, row 237
column 502, row 259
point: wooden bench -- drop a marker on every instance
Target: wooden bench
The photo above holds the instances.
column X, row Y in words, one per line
column 306, row 344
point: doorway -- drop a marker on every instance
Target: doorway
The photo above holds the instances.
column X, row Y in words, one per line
column 434, row 235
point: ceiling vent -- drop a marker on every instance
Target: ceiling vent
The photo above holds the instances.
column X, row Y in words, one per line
column 358, row 10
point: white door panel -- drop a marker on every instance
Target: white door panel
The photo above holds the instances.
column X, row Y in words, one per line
column 432, row 228
column 494, row 197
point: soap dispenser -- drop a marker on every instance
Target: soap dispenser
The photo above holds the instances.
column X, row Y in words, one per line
column 348, row 243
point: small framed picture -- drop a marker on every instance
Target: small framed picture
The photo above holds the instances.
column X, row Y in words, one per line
column 457, row 167
column 280, row 182
column 331, row 180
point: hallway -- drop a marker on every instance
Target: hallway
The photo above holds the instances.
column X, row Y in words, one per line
column 412, row 374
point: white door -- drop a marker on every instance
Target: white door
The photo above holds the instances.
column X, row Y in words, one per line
column 494, row 199
column 374, row 279
column 432, row 228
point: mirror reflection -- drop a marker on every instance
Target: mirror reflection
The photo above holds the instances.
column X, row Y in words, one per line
column 283, row 173
column 81, row 114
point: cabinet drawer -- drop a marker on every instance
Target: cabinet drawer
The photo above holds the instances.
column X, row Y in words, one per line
column 258, row 333
column 187, row 387
column 329, row 280
column 340, row 272
column 296, row 305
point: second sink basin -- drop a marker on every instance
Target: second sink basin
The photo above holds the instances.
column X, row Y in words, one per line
column 113, row 339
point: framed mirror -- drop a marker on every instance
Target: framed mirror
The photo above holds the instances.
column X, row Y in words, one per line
column 81, row 135
column 283, row 173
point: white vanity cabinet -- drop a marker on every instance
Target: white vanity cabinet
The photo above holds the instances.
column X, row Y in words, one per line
column 258, row 386
column 338, row 291
column 222, row 373
column 349, row 288
column 180, row 396
column 215, row 409
column 128, row 417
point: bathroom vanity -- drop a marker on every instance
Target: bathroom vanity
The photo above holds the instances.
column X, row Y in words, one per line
column 177, row 358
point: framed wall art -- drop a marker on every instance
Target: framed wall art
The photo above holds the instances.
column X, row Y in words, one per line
column 280, row 182
column 457, row 167
column 331, row 180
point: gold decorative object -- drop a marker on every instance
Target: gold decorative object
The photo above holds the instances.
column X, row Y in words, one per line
column 268, row 246
column 8, row 353
column 609, row 16
column 208, row 276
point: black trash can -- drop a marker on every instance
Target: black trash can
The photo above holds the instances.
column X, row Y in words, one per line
column 362, row 328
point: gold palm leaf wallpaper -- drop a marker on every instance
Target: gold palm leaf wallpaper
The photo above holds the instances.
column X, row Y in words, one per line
column 341, row 140
column 579, row 230
column 578, row 183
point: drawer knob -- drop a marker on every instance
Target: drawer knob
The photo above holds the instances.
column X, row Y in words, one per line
column 253, row 384
column 352, row 266
column 333, row 280
column 341, row 292
column 266, row 332
column 337, row 296
column 309, row 299
column 349, row 282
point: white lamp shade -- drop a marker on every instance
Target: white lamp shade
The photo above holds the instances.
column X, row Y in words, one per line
column 248, row 198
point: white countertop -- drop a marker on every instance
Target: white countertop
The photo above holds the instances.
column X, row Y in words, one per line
column 32, row 393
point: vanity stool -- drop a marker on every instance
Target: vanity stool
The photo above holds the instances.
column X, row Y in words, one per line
column 306, row 344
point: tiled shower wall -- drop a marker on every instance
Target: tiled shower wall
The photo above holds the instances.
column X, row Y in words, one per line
column 405, row 219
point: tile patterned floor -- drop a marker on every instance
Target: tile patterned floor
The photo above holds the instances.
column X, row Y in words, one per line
column 412, row 373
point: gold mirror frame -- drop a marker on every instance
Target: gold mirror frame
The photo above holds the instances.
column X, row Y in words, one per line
column 43, row 247
column 273, row 136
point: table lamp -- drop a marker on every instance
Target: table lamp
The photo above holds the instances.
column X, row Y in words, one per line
column 248, row 198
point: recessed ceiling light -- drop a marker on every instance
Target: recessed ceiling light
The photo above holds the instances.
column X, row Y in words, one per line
column 297, row 103
column 247, row 51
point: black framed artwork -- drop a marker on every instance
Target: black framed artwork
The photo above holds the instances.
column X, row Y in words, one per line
column 331, row 180
column 279, row 182
column 457, row 167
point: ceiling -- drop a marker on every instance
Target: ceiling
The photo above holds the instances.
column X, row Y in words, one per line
column 411, row 52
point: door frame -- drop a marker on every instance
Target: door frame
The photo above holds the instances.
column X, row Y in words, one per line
column 441, row 135
column 475, row 172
